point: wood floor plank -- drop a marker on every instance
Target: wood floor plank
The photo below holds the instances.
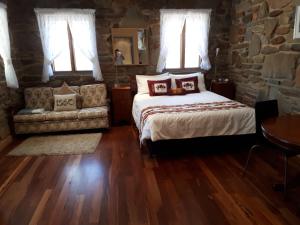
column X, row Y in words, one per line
column 40, row 208
column 78, row 209
column 57, row 213
column 289, row 216
column 120, row 185
column 233, row 212
column 14, row 173
column 96, row 203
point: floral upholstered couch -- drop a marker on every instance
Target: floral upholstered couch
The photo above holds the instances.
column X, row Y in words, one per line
column 91, row 111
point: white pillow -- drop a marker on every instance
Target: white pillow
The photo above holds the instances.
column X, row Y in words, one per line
column 65, row 102
column 201, row 83
column 142, row 84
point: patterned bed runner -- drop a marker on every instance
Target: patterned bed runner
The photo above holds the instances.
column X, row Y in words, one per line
column 187, row 108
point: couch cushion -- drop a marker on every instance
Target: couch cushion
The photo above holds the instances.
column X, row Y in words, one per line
column 91, row 113
column 22, row 118
column 54, row 126
column 41, row 97
column 61, row 116
column 93, row 95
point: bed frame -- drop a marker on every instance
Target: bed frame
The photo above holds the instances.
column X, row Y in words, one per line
column 200, row 145
column 219, row 143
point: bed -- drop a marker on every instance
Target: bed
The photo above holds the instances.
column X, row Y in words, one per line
column 203, row 114
column 175, row 122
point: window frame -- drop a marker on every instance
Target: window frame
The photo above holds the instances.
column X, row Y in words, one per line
column 72, row 59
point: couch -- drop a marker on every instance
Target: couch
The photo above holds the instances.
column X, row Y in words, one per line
column 91, row 113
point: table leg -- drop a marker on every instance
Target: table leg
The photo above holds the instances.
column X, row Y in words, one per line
column 285, row 173
column 283, row 186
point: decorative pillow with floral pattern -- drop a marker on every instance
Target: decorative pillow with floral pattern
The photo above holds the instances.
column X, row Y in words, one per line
column 93, row 95
column 190, row 85
column 40, row 97
column 159, row 87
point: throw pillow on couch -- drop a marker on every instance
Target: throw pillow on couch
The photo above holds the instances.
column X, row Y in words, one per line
column 65, row 102
column 66, row 89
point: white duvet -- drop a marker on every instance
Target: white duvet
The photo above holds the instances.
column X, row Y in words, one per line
column 190, row 125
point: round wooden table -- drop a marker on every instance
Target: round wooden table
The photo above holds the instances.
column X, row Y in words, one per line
column 284, row 132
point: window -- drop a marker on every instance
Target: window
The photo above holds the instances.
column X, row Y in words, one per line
column 184, row 39
column 68, row 39
column 70, row 58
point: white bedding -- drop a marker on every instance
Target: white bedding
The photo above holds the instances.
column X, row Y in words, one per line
column 191, row 124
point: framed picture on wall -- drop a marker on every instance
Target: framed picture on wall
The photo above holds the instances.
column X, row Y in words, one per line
column 297, row 23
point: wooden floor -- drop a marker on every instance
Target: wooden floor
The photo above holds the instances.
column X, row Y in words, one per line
column 119, row 185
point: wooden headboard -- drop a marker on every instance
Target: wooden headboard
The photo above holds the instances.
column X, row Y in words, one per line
column 133, row 84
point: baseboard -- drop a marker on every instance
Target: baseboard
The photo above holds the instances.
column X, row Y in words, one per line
column 4, row 143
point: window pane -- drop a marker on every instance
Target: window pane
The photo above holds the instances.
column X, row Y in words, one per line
column 63, row 61
column 82, row 63
column 174, row 33
column 173, row 57
column 192, row 58
column 81, row 41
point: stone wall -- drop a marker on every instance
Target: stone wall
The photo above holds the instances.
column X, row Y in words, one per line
column 8, row 98
column 4, row 129
column 264, row 58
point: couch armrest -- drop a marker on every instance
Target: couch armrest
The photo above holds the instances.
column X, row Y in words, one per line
column 11, row 111
column 108, row 104
column 14, row 110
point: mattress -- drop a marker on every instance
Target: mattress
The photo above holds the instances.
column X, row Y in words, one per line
column 190, row 116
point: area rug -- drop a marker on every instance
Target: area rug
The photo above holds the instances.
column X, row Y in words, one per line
column 58, row 145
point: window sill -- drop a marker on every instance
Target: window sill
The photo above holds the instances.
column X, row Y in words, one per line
column 132, row 65
column 184, row 70
column 72, row 74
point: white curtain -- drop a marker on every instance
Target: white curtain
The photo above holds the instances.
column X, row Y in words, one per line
column 51, row 25
column 197, row 34
column 82, row 26
column 171, row 25
column 196, row 39
column 10, row 74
